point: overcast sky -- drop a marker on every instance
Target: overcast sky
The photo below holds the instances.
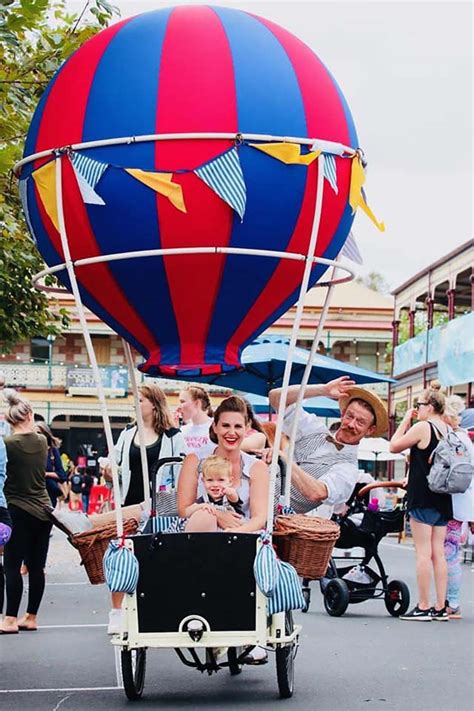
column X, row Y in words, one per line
column 406, row 71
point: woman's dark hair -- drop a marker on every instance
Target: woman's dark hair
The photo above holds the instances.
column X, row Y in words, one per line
column 197, row 393
column 254, row 423
column 45, row 430
column 230, row 404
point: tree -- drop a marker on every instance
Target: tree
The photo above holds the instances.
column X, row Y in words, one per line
column 374, row 281
column 36, row 36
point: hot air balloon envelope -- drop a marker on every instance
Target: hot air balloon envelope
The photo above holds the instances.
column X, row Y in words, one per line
column 188, row 70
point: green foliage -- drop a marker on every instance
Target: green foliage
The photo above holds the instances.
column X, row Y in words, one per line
column 375, row 282
column 36, row 36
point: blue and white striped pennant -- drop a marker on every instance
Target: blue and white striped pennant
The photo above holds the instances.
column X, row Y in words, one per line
column 330, row 171
column 23, row 187
column 351, row 250
column 88, row 173
column 224, row 176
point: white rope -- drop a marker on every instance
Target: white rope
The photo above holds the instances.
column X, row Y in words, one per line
column 294, row 334
column 140, row 426
column 90, row 348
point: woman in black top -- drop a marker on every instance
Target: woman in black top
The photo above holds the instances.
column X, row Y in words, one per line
column 429, row 512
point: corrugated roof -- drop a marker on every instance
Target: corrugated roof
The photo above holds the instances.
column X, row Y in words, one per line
column 350, row 295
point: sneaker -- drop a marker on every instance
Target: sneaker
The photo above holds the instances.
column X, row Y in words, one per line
column 440, row 615
column 256, row 656
column 454, row 613
column 115, row 621
column 418, row 614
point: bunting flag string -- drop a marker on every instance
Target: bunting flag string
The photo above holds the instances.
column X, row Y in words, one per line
column 23, row 188
column 351, row 250
column 289, row 153
column 357, row 196
column 162, row 184
column 330, row 173
column 88, row 172
column 45, row 181
column 224, row 176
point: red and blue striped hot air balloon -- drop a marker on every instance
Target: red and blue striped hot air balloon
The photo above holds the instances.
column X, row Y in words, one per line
column 193, row 69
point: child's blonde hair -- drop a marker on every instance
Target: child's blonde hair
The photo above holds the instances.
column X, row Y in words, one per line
column 213, row 463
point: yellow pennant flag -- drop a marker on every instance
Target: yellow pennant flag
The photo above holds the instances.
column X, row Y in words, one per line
column 162, row 184
column 45, row 180
column 356, row 195
column 289, row 153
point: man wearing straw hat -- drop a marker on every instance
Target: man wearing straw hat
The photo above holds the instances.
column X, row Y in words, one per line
column 325, row 468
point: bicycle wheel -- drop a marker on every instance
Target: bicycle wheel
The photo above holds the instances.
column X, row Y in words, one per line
column 285, row 662
column 133, row 672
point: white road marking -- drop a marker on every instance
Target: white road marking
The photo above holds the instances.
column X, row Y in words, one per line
column 67, row 627
column 80, row 688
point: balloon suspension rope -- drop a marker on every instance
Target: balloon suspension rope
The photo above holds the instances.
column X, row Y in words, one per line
column 140, row 425
column 89, row 346
column 304, row 383
column 294, row 333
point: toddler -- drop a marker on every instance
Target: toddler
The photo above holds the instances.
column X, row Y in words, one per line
column 219, row 494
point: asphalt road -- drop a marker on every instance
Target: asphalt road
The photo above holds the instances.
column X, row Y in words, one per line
column 361, row 661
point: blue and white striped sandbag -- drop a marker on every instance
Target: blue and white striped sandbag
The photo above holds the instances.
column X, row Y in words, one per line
column 287, row 594
column 120, row 568
column 265, row 567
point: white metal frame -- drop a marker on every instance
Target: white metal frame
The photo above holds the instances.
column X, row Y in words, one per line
column 182, row 639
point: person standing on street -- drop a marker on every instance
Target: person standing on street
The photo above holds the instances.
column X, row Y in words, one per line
column 429, row 512
column 27, row 498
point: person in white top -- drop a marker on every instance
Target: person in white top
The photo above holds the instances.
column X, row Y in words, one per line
column 325, row 468
column 454, row 532
column 195, row 409
column 249, row 475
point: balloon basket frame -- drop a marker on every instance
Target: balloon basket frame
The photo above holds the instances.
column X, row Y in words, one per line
column 309, row 260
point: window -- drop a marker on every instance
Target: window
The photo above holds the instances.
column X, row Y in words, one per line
column 39, row 350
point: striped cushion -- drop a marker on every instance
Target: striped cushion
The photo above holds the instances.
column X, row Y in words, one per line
column 287, row 594
column 120, row 568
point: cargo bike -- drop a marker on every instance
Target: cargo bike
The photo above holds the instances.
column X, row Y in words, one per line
column 197, row 594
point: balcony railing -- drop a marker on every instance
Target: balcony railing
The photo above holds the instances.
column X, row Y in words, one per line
column 451, row 346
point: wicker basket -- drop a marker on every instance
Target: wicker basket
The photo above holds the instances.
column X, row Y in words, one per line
column 93, row 544
column 306, row 542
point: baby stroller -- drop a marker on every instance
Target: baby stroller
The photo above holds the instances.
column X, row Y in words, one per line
column 356, row 581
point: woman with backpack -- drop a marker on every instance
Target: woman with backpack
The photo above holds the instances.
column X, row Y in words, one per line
column 429, row 512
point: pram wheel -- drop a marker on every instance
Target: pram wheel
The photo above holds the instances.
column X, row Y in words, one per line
column 234, row 666
column 306, row 591
column 285, row 662
column 336, row 597
column 397, row 598
column 133, row 672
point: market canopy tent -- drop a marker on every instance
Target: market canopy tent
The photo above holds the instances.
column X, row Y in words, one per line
column 263, row 366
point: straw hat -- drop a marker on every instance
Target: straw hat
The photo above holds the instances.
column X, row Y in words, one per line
column 381, row 417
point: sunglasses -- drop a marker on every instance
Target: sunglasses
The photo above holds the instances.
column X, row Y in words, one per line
column 419, row 404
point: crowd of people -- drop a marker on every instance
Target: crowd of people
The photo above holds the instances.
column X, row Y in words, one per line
column 222, row 483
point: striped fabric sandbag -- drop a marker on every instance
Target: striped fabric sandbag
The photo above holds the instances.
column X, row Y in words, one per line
column 287, row 594
column 266, row 566
column 120, row 568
